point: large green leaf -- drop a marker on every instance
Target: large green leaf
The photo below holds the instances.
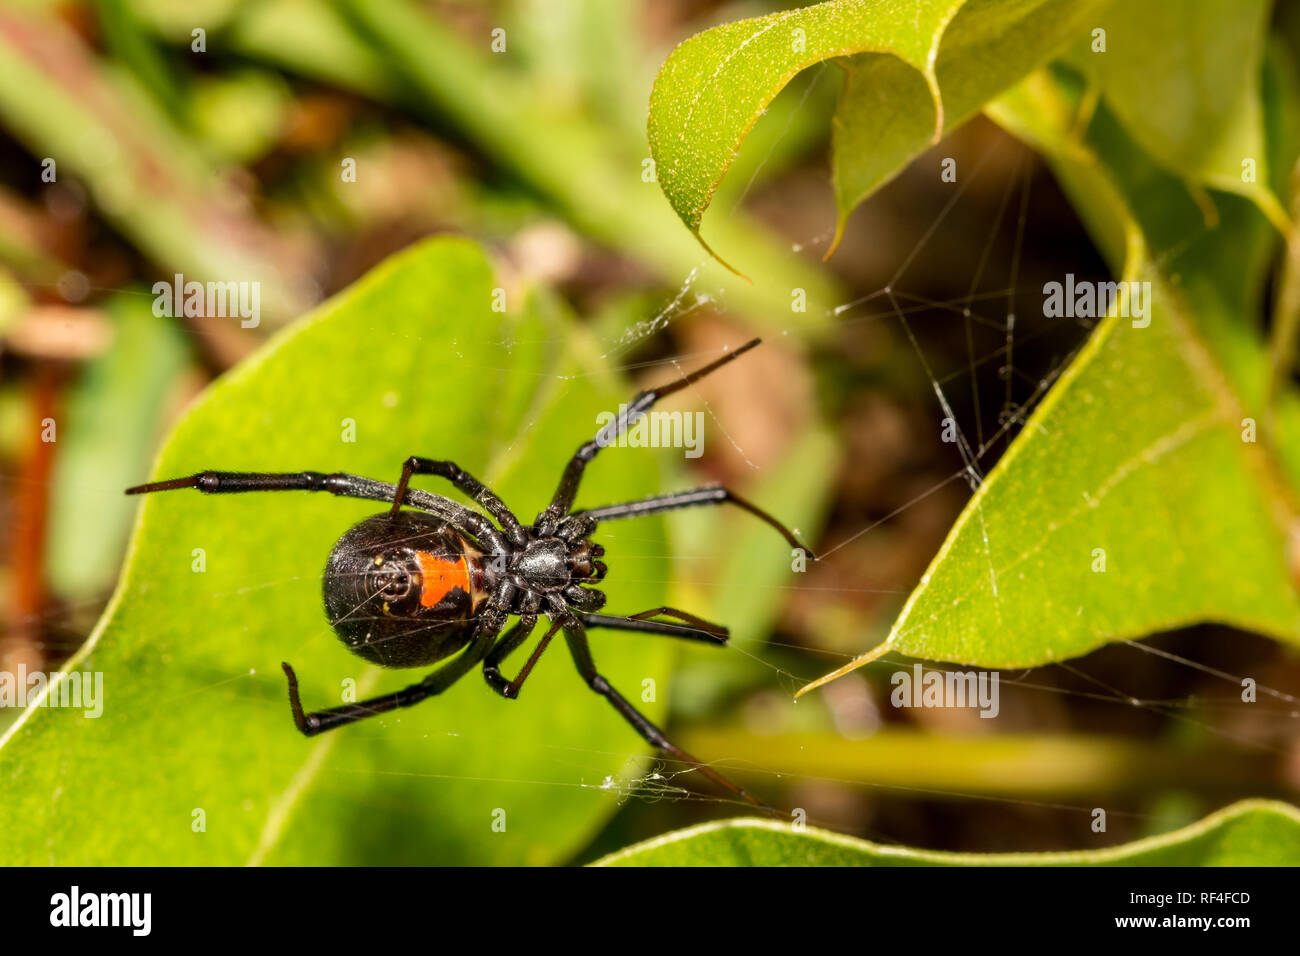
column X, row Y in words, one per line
column 1192, row 99
column 1146, row 455
column 944, row 59
column 195, row 714
column 1137, row 453
column 883, row 116
column 1250, row 833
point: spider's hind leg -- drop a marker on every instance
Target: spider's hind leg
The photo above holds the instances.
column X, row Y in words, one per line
column 505, row 646
column 576, row 636
column 320, row 721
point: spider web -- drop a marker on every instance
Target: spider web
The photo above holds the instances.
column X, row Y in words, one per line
column 991, row 342
column 981, row 434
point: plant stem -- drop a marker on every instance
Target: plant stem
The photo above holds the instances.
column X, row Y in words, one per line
column 1286, row 309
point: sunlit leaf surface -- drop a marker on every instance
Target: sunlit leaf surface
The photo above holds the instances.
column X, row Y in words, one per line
column 1250, row 833
column 1141, row 494
column 943, row 59
column 195, row 759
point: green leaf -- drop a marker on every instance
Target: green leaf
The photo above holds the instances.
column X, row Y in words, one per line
column 945, row 59
column 882, row 119
column 1249, row 833
column 1136, row 460
column 1145, row 459
column 195, row 714
column 1190, row 99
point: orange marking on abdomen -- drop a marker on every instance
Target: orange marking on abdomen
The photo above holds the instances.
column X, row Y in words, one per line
column 441, row 577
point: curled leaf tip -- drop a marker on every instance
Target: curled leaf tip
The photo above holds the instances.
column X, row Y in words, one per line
column 840, row 220
column 721, row 261
column 936, row 95
column 871, row 655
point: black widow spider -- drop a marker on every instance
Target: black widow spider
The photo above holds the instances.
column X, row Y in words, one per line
column 409, row 588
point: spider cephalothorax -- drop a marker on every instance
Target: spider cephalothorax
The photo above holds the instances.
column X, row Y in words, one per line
column 410, row 588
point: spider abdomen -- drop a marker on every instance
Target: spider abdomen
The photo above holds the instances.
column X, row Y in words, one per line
column 402, row 590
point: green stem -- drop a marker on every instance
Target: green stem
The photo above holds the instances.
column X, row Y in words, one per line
column 1023, row 766
column 1286, row 310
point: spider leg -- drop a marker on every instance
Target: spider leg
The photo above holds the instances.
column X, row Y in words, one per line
column 505, row 646
column 491, row 668
column 694, row 498
column 576, row 637
column 691, row 619
column 320, row 721
column 344, row 485
column 467, row 483
column 628, row 416
column 700, row 631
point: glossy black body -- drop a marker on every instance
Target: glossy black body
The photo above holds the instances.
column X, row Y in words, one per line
column 377, row 598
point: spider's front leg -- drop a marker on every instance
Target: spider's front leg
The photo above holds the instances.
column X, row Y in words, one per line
column 320, row 721
column 674, row 501
column 468, row 484
column 571, row 478
column 342, row 484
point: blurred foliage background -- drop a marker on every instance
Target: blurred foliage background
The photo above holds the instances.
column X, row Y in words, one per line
column 227, row 160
